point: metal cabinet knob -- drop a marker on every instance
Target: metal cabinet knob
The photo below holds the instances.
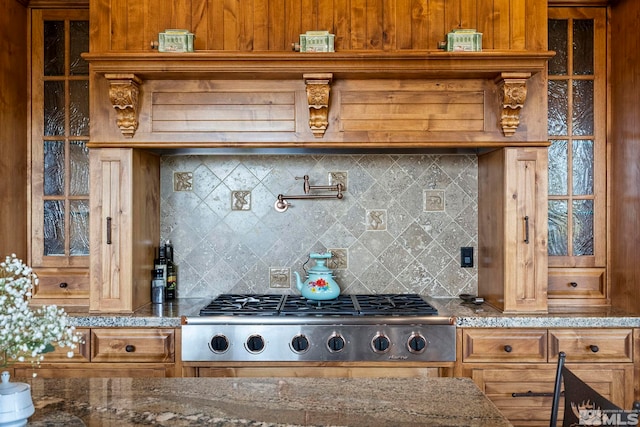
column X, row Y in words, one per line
column 594, row 348
column 63, row 285
column 508, row 348
column 130, row 348
column 573, row 284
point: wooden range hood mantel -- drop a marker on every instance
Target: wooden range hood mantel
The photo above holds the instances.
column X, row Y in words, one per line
column 508, row 71
column 352, row 65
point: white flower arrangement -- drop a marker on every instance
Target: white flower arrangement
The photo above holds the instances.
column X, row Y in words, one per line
column 25, row 334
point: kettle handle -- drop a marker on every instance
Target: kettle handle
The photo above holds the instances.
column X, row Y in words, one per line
column 306, row 273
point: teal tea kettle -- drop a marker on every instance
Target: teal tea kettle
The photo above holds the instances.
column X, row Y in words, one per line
column 320, row 284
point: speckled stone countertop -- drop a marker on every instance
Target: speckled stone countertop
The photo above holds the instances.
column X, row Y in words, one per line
column 265, row 402
column 468, row 316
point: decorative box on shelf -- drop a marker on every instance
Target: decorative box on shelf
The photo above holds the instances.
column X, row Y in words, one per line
column 317, row 41
column 175, row 41
column 464, row 40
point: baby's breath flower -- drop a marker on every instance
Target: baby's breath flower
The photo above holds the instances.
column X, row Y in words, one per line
column 26, row 334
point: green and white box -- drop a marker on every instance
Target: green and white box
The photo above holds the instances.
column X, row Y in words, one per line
column 464, row 40
column 317, row 41
column 175, row 41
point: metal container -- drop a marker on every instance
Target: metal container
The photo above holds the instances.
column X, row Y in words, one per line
column 317, row 41
column 464, row 40
column 175, row 41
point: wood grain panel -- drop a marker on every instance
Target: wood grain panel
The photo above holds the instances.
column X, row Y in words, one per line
column 224, row 112
column 411, row 111
column 13, row 131
column 592, row 345
column 132, row 345
column 258, row 25
column 501, row 24
column 504, row 345
column 624, row 144
column 261, row 25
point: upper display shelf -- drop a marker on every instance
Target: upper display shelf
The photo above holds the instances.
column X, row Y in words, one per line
column 351, row 64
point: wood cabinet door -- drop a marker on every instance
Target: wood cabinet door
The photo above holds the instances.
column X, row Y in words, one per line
column 526, row 225
column 512, row 229
column 126, row 227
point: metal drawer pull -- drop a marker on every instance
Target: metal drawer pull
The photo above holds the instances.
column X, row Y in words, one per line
column 594, row 348
column 130, row 348
column 508, row 348
column 526, row 229
column 63, row 285
column 108, row 230
column 536, row 394
column 573, row 284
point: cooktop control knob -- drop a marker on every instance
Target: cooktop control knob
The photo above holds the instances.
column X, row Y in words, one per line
column 416, row 343
column 255, row 344
column 219, row 344
column 300, row 344
column 335, row 343
column 380, row 343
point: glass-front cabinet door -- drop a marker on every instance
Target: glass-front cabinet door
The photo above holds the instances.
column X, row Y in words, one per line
column 577, row 155
column 59, row 155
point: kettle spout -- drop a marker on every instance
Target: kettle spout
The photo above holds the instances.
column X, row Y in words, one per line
column 298, row 281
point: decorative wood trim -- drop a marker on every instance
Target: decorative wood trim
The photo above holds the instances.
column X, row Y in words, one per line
column 123, row 94
column 487, row 64
column 512, row 88
column 318, row 88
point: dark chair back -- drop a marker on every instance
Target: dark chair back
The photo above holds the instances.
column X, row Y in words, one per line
column 583, row 405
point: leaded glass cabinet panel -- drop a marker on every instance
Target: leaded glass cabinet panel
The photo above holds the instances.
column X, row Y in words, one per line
column 59, row 155
column 577, row 154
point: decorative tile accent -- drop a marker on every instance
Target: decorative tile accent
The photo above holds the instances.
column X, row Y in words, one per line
column 183, row 181
column 377, row 220
column 279, row 277
column 338, row 178
column 433, row 200
column 339, row 259
column 241, row 200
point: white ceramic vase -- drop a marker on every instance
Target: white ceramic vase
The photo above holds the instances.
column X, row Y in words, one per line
column 16, row 405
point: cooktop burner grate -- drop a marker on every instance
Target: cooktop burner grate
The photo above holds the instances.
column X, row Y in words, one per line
column 300, row 306
column 295, row 305
column 394, row 304
column 244, row 304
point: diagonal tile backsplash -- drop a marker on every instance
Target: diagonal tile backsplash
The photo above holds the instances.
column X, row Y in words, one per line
column 398, row 229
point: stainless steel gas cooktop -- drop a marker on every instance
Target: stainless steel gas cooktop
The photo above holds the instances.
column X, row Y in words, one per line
column 276, row 328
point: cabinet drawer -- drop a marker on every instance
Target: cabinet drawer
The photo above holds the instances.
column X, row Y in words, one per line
column 80, row 354
column 592, row 345
column 68, row 284
column 583, row 283
column 524, row 393
column 504, row 345
column 132, row 345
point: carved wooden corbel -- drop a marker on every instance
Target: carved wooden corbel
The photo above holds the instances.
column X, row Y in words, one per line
column 512, row 89
column 318, row 88
column 123, row 94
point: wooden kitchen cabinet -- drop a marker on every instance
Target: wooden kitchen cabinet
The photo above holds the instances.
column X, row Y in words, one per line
column 512, row 229
column 125, row 229
column 577, row 122
column 113, row 352
column 59, row 157
column 520, row 381
column 132, row 345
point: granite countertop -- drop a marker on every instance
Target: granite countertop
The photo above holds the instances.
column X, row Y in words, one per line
column 265, row 402
column 469, row 316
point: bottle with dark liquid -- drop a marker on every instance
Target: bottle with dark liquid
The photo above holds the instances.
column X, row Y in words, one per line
column 172, row 273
